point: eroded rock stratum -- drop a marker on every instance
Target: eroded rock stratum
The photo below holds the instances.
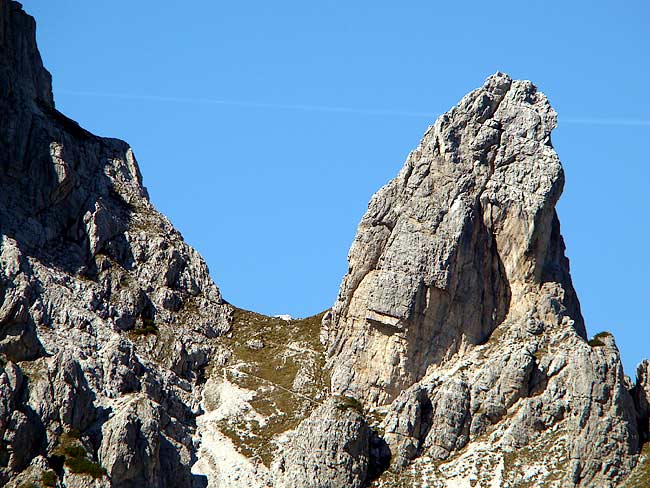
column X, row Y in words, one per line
column 455, row 355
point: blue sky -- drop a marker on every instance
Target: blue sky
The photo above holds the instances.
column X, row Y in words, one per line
column 263, row 128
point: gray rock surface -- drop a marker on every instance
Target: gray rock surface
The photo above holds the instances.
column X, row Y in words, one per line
column 464, row 231
column 457, row 322
column 457, row 350
column 330, row 448
column 105, row 313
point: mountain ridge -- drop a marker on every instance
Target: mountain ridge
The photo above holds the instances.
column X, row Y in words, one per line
column 457, row 351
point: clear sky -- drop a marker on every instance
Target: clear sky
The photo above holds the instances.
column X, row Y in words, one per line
column 263, row 128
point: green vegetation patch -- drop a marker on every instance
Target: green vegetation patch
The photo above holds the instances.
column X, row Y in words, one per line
column 344, row 403
column 640, row 476
column 596, row 341
column 75, row 456
column 148, row 327
column 289, row 349
column 73, row 434
column 85, row 466
column 73, row 451
column 48, row 478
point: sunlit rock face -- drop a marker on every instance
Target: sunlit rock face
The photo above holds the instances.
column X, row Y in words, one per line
column 462, row 241
column 455, row 354
column 457, row 322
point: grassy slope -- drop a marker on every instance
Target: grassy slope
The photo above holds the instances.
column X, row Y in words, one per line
column 291, row 349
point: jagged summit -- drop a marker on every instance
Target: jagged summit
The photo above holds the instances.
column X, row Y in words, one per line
column 105, row 313
column 455, row 354
column 22, row 75
column 457, row 325
column 462, row 233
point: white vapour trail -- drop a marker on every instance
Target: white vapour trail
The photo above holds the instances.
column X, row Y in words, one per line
column 603, row 121
column 241, row 103
column 334, row 109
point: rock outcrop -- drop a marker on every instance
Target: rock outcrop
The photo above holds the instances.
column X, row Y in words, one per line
column 105, row 311
column 455, row 245
column 330, row 448
column 457, row 351
column 457, row 321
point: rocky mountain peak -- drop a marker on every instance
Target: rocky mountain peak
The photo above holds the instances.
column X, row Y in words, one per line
column 105, row 313
column 463, row 241
column 457, row 326
column 22, row 75
column 454, row 355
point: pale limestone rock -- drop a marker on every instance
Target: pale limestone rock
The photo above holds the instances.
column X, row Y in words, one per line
column 462, row 233
column 457, row 318
column 456, row 326
column 329, row 449
column 130, row 448
column 105, row 312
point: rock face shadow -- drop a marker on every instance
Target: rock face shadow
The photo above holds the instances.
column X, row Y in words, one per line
column 58, row 195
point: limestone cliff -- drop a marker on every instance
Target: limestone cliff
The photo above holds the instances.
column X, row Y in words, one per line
column 455, row 354
column 104, row 309
column 457, row 325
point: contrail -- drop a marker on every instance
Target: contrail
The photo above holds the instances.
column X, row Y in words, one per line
column 241, row 103
column 603, row 121
column 334, row 109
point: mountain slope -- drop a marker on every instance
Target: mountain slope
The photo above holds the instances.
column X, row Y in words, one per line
column 105, row 310
column 457, row 326
column 455, row 354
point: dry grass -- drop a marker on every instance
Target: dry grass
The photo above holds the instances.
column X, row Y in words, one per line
column 75, row 456
column 291, row 349
column 640, row 477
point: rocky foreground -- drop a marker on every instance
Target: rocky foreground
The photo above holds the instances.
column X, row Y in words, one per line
column 455, row 355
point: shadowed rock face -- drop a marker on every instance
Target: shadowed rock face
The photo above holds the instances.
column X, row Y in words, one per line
column 335, row 438
column 642, row 398
column 457, row 351
column 104, row 311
